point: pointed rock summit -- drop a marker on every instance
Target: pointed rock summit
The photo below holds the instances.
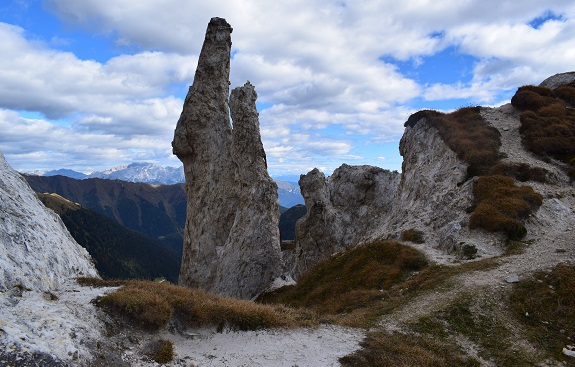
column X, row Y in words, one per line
column 231, row 238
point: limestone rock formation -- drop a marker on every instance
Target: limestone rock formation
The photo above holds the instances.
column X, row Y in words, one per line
column 358, row 204
column 343, row 210
column 231, row 239
column 36, row 250
column 432, row 194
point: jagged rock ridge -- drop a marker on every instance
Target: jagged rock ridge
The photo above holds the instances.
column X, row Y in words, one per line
column 342, row 210
column 231, row 239
column 432, row 195
column 36, row 250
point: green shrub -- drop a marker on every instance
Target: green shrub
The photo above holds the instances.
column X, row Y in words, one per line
column 500, row 205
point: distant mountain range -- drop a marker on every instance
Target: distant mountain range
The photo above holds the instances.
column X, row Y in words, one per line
column 288, row 191
column 157, row 211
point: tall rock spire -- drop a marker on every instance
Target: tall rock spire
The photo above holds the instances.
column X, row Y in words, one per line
column 231, row 239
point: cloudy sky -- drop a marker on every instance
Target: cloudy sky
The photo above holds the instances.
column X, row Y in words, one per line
column 91, row 84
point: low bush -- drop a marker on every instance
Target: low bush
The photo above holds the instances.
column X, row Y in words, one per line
column 412, row 235
column 500, row 205
column 532, row 98
column 566, row 93
column 152, row 305
column 467, row 134
column 545, row 305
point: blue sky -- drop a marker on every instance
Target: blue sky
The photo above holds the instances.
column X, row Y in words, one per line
column 94, row 84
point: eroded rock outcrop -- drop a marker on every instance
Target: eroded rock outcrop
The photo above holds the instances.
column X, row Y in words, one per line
column 358, row 204
column 231, row 239
column 36, row 250
column 343, row 210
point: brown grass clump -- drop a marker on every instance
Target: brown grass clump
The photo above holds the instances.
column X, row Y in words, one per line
column 161, row 351
column 547, row 125
column 500, row 205
column 566, row 93
column 467, row 134
column 352, row 279
column 401, row 350
column 98, row 282
column 152, row 305
column 520, row 171
column 532, row 98
column 545, row 304
column 412, row 235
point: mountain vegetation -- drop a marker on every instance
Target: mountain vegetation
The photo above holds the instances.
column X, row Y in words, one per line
column 118, row 253
column 499, row 205
column 548, row 122
column 288, row 220
column 156, row 211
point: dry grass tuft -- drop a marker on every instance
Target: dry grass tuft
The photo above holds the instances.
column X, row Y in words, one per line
column 352, row 279
column 547, row 125
column 98, row 282
column 500, row 205
column 152, row 305
column 520, row 171
column 161, row 351
column 401, row 350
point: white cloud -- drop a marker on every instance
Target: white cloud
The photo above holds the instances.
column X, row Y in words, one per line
column 317, row 64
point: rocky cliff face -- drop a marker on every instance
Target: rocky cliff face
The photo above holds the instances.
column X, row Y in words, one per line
column 231, row 239
column 36, row 250
column 432, row 195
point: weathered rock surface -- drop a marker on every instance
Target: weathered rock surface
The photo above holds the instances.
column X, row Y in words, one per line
column 432, row 194
column 36, row 250
column 343, row 210
column 231, row 239
column 363, row 203
column 558, row 80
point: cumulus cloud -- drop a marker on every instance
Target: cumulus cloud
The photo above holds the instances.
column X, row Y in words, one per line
column 329, row 71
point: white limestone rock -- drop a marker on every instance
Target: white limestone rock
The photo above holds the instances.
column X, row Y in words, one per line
column 36, row 250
